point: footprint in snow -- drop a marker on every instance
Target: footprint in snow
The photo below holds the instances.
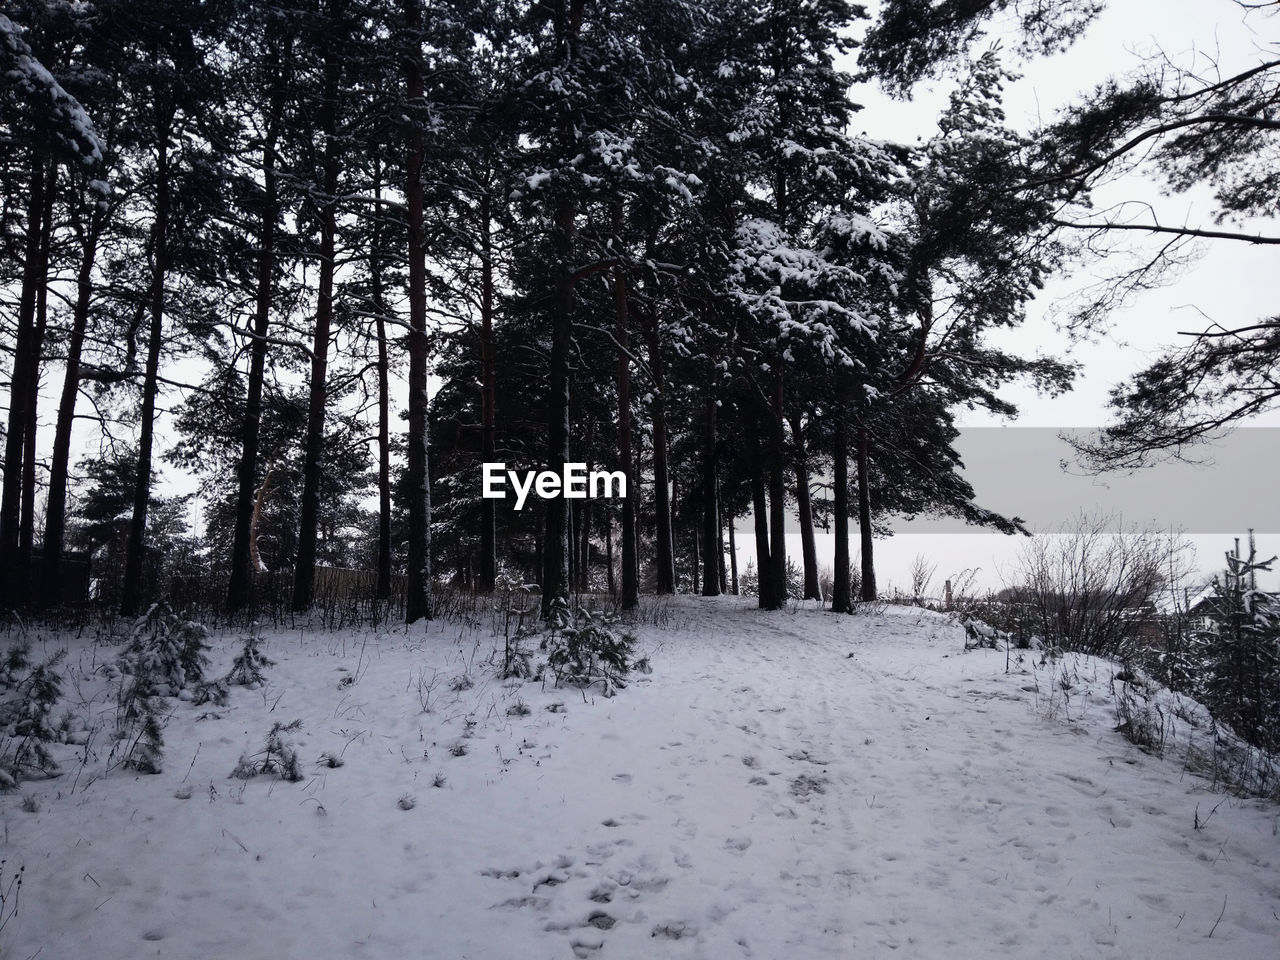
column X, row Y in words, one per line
column 585, row 945
column 737, row 845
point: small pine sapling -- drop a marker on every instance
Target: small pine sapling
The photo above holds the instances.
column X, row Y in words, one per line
column 217, row 692
column 278, row 756
column 28, row 695
column 249, row 664
column 593, row 649
column 246, row 671
column 140, row 720
column 169, row 653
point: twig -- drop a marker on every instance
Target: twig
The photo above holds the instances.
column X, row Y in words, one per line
column 1220, row 915
column 193, row 761
column 239, row 843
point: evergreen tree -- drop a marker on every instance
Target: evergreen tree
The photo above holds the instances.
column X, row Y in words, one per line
column 1239, row 655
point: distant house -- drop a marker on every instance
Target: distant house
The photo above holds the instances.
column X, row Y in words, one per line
column 1205, row 614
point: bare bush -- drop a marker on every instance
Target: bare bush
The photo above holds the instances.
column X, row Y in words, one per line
column 1091, row 585
column 922, row 572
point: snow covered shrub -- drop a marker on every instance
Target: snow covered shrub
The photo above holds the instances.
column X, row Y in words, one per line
column 140, row 720
column 461, row 683
column 168, row 653
column 28, row 693
column 590, row 649
column 216, row 691
column 979, row 633
column 247, row 668
column 165, row 656
column 517, row 659
column 278, row 756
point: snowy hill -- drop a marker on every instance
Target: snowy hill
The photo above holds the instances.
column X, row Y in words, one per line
column 782, row 786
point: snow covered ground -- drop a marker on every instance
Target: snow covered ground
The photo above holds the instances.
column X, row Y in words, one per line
column 782, row 786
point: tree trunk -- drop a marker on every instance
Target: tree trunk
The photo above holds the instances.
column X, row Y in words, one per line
column 240, row 585
column 864, row 517
column 804, row 510
column 555, row 554
column 608, row 552
column 630, row 563
column 383, row 588
column 418, row 585
column 777, row 491
column 666, row 565
column 584, row 539
column 724, row 570
column 255, row 521
column 14, row 580
column 760, row 516
column 695, row 564
column 555, row 557
column 59, row 464
column 712, row 551
column 841, row 597
column 27, row 520
column 131, row 591
column 570, row 511
column 733, row 559
column 488, row 436
column 304, row 571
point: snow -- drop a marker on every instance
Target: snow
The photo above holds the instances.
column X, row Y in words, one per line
column 790, row 784
column 30, row 75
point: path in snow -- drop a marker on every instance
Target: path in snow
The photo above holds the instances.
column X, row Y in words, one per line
column 774, row 796
column 784, row 786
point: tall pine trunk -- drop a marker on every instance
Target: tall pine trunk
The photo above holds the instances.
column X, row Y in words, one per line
column 760, row 516
column 304, row 571
column 841, row 597
column 804, row 509
column 712, row 549
column 59, row 464
column 864, row 516
column 733, row 560
column 663, row 538
column 240, row 585
column 630, row 563
column 135, row 546
column 383, row 586
column 567, row 15
column 488, row 427
column 418, row 586
column 27, row 521
column 555, row 551
column 777, row 490
column 14, row 580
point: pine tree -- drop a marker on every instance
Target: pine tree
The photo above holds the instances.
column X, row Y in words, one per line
column 1240, row 654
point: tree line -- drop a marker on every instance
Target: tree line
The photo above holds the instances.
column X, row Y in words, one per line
column 639, row 235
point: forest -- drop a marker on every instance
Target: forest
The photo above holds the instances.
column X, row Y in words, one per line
column 331, row 257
